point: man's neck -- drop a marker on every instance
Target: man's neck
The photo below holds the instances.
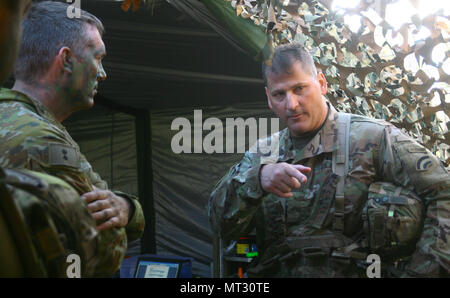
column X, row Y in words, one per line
column 47, row 95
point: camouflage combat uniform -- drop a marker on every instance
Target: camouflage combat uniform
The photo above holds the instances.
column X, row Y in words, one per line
column 45, row 218
column 378, row 151
column 31, row 138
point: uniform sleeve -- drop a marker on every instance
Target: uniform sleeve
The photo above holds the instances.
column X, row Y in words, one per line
column 136, row 223
column 412, row 166
column 50, row 152
column 106, row 258
column 236, row 198
column 113, row 242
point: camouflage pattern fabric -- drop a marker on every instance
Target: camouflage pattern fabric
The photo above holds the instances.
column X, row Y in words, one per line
column 31, row 138
column 378, row 152
column 54, row 224
column 393, row 219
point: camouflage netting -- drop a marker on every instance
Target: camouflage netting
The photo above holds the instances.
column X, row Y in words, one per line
column 377, row 71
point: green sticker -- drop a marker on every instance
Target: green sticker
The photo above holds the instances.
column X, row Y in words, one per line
column 251, row 254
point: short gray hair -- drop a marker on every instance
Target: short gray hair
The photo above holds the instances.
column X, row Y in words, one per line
column 46, row 29
column 285, row 56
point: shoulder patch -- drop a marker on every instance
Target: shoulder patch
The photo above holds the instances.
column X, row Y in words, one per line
column 424, row 163
column 62, row 155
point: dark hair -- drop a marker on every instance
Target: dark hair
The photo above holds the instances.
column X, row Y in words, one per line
column 285, row 56
column 46, row 29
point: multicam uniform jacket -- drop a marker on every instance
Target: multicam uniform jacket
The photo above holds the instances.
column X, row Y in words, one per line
column 378, row 151
column 31, row 138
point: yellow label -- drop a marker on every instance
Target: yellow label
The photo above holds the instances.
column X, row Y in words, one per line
column 242, row 249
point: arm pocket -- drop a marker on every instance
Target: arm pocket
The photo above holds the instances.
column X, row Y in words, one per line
column 393, row 219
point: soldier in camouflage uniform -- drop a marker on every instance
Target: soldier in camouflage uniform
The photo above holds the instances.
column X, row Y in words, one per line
column 42, row 219
column 303, row 227
column 43, row 222
column 57, row 73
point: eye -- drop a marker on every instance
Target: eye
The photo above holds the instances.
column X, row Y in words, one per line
column 298, row 89
column 278, row 95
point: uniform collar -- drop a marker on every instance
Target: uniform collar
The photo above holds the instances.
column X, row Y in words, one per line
column 37, row 106
column 324, row 141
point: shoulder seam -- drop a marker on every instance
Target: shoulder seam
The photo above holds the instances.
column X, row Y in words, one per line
column 380, row 122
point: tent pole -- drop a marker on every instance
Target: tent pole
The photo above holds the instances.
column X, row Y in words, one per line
column 145, row 179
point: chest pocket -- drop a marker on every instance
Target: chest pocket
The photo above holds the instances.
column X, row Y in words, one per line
column 311, row 204
column 297, row 207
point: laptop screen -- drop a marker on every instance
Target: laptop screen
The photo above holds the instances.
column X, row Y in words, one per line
column 157, row 269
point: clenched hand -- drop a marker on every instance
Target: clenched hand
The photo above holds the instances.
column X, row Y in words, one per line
column 281, row 178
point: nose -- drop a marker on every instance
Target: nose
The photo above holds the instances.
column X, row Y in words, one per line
column 291, row 101
column 101, row 73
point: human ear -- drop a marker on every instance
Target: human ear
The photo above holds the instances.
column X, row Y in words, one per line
column 323, row 83
column 268, row 98
column 65, row 59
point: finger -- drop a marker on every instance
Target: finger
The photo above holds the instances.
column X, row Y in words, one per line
column 283, row 187
column 111, row 223
column 290, row 182
column 98, row 205
column 282, row 194
column 294, row 172
column 94, row 195
column 104, row 214
column 302, row 169
column 294, row 183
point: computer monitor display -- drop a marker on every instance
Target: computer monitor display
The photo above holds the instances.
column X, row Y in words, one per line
column 157, row 269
